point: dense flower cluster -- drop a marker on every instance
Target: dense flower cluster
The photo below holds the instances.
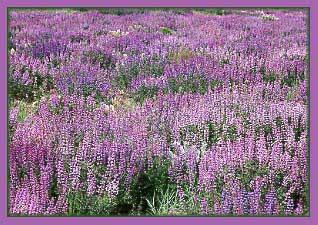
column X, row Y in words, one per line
column 158, row 111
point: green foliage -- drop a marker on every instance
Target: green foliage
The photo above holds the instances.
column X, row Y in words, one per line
column 54, row 189
column 289, row 96
column 203, row 85
column 279, row 121
column 145, row 92
column 285, row 33
column 224, row 61
column 157, row 70
column 221, row 12
column 167, row 31
column 231, row 133
column 10, row 43
column 20, row 91
column 154, row 68
column 267, row 129
column 77, row 202
column 71, row 88
column 152, row 191
column 80, row 203
column 219, row 183
column 47, row 36
column 134, row 70
column 216, row 84
column 262, row 70
column 270, row 77
column 81, row 9
column 191, row 84
column 104, row 60
column 101, row 32
column 101, row 206
column 39, row 84
column 269, row 18
column 250, row 171
column 123, row 80
column 253, row 70
column 292, row 79
column 22, row 172
column 298, row 130
column 164, row 202
column 24, row 111
column 120, row 11
column 183, row 53
column 173, row 86
column 145, row 184
column 77, row 39
column 214, row 133
column 214, row 11
column 54, row 64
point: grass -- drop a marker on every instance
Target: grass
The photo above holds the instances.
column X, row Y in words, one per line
column 164, row 202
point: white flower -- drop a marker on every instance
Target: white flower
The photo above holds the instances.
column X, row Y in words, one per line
column 268, row 17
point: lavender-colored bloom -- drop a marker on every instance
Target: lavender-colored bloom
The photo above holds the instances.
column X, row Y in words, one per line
column 271, row 202
column 289, row 205
column 13, row 116
column 204, row 206
column 214, row 105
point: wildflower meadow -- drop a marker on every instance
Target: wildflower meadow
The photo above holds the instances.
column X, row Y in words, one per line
column 158, row 112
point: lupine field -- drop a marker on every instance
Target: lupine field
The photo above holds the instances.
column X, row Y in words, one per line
column 158, row 112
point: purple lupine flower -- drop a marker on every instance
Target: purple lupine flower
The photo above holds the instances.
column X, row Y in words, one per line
column 271, row 202
column 247, row 69
column 91, row 181
column 204, row 206
column 299, row 208
column 289, row 205
column 226, row 202
column 54, row 100
column 181, row 194
column 13, row 116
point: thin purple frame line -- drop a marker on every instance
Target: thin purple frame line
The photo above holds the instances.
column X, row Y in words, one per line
column 182, row 220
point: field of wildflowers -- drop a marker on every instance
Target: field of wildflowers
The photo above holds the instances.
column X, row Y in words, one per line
column 158, row 112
